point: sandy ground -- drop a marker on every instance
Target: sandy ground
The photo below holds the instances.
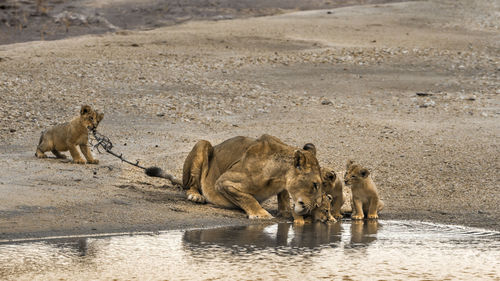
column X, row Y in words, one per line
column 410, row 90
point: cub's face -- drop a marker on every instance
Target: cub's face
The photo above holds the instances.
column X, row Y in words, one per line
column 304, row 186
column 329, row 178
column 90, row 118
column 323, row 212
column 355, row 174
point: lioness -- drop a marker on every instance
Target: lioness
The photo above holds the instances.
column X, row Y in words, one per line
column 364, row 192
column 67, row 136
column 242, row 172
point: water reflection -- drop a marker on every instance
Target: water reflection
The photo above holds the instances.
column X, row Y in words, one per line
column 257, row 237
column 363, row 233
column 373, row 250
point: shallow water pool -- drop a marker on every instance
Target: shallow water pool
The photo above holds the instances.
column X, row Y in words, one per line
column 371, row 250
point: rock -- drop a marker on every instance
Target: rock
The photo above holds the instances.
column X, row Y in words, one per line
column 326, row 102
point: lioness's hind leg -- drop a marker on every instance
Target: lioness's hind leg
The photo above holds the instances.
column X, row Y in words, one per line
column 230, row 186
column 195, row 168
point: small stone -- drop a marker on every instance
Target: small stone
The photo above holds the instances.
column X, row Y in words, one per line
column 326, row 102
column 422, row 94
column 12, row 130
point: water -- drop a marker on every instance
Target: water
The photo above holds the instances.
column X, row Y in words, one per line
column 388, row 250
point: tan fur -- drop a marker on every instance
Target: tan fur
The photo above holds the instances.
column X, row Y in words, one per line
column 242, row 172
column 319, row 214
column 365, row 198
column 69, row 135
column 333, row 185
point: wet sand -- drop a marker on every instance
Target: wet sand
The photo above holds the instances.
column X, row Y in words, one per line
column 409, row 90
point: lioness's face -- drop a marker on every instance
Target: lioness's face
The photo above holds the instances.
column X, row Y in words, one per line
column 90, row 118
column 305, row 185
column 355, row 174
column 323, row 212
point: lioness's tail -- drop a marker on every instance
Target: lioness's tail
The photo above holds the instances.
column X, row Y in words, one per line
column 159, row 173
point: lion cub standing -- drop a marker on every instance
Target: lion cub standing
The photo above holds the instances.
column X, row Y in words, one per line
column 69, row 135
column 333, row 185
column 364, row 192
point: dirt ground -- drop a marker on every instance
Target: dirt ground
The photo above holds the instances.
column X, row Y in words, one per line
column 410, row 90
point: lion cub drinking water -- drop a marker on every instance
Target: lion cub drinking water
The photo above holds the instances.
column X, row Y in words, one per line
column 67, row 136
column 364, row 192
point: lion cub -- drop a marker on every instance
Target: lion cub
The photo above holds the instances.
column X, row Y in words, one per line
column 320, row 213
column 364, row 192
column 69, row 135
column 334, row 186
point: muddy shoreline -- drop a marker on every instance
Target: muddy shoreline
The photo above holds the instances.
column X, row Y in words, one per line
column 410, row 90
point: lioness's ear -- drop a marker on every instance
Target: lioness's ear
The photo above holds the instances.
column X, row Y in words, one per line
column 330, row 176
column 310, row 147
column 299, row 160
column 349, row 164
column 364, row 173
column 85, row 109
column 100, row 116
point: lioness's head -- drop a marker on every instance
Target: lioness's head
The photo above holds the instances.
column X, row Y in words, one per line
column 90, row 118
column 323, row 212
column 304, row 185
column 355, row 173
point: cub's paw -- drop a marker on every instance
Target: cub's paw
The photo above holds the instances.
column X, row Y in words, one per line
column 40, row 155
column 262, row 215
column 94, row 161
column 357, row 217
column 338, row 216
column 78, row 161
column 196, row 197
column 299, row 221
column 373, row 216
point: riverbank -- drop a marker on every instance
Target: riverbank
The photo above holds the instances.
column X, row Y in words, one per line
column 409, row 90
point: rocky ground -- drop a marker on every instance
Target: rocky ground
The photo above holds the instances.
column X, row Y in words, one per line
column 410, row 90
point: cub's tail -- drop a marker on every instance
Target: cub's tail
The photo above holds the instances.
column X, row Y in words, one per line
column 159, row 173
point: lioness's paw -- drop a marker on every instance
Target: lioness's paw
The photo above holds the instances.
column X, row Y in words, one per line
column 197, row 198
column 94, row 161
column 373, row 216
column 264, row 215
column 356, row 217
column 79, row 161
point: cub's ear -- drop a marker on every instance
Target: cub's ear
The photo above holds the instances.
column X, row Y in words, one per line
column 329, row 197
column 100, row 116
column 349, row 164
column 310, row 147
column 85, row 109
column 299, row 160
column 364, row 173
column 330, row 176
